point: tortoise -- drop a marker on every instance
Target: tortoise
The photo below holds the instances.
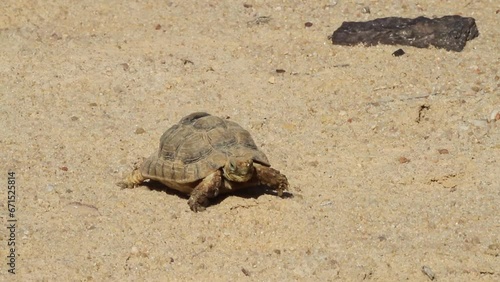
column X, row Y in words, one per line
column 204, row 156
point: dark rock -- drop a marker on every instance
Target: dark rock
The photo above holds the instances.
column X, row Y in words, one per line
column 398, row 53
column 448, row 32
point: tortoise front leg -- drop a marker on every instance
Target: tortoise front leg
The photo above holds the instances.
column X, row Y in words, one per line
column 207, row 188
column 271, row 177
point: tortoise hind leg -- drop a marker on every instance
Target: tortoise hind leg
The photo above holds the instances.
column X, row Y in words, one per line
column 207, row 188
column 132, row 180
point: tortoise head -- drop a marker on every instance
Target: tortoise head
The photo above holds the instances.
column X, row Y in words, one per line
column 238, row 169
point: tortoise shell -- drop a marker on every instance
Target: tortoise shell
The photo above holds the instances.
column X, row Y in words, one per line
column 196, row 147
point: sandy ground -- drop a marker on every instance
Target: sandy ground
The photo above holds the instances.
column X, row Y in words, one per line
column 391, row 162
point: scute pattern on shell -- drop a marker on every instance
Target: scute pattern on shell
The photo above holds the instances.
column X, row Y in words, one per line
column 197, row 146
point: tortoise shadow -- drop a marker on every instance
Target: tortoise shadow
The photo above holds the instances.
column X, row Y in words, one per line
column 160, row 187
column 246, row 193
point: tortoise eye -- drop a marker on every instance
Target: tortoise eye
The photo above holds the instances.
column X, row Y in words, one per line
column 232, row 166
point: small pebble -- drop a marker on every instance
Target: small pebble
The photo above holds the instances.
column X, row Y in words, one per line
column 493, row 250
column 308, row 24
column 50, row 187
column 314, row 163
column 140, row 130
column 56, row 36
column 382, row 238
column 246, row 272
column 428, row 271
column 494, row 116
column 443, row 151
column 398, row 53
column 403, row 160
column 480, row 123
column 332, row 4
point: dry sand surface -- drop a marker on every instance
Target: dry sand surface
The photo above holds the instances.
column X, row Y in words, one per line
column 392, row 163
